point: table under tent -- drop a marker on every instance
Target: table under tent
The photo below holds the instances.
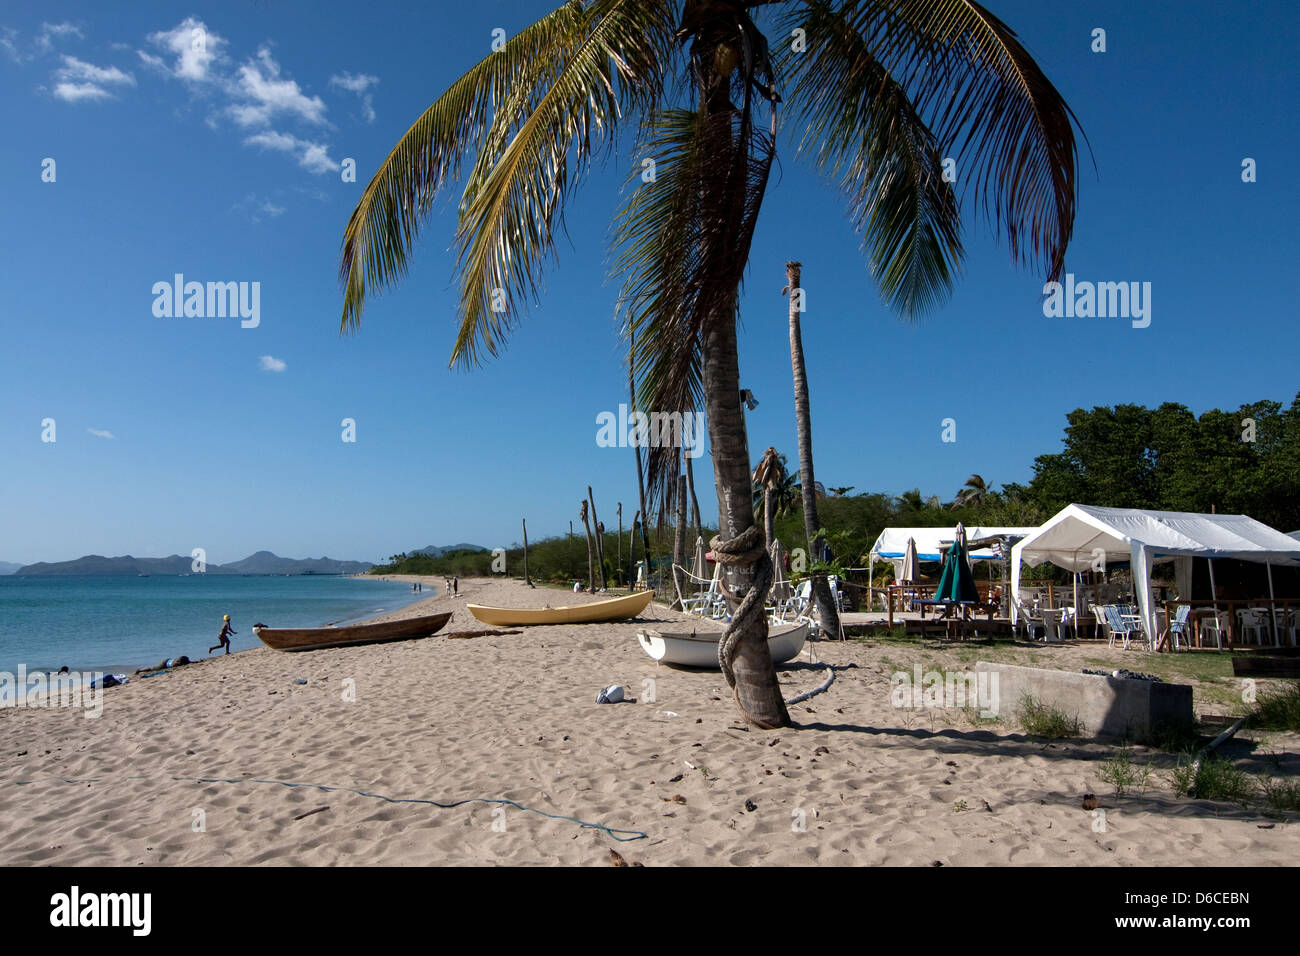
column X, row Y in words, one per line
column 987, row 547
column 1082, row 538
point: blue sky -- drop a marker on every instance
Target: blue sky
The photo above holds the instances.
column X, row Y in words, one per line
column 223, row 164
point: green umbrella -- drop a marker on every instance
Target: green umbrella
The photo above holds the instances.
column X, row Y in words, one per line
column 956, row 583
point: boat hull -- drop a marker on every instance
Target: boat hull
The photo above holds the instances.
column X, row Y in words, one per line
column 319, row 638
column 614, row 609
column 701, row 649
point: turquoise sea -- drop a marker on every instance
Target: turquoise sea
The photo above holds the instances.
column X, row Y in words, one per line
column 117, row 624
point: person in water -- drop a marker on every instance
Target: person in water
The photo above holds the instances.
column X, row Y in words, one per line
column 223, row 639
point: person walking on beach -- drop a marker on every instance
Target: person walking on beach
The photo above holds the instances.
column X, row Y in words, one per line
column 223, row 639
column 455, row 586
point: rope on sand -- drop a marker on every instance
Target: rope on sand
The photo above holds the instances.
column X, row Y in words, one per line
column 612, row 831
column 830, row 679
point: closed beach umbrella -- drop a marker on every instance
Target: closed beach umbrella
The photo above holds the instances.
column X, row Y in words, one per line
column 957, row 583
column 910, row 562
column 700, row 567
column 778, row 570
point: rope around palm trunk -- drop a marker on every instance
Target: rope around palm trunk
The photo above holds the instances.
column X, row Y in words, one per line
column 748, row 620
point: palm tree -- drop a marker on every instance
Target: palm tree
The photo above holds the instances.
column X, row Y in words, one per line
column 785, row 491
column 767, row 478
column 973, row 494
column 827, row 611
column 884, row 89
column 591, row 566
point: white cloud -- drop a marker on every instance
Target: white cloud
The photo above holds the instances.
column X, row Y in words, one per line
column 74, row 69
column 267, row 95
column 42, row 43
column 360, row 84
column 52, row 31
column 9, row 44
column 80, row 92
column 77, row 81
column 101, row 433
column 311, row 156
column 257, row 208
column 196, row 49
column 271, row 364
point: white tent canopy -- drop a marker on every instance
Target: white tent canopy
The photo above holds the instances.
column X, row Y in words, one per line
column 931, row 543
column 1086, row 536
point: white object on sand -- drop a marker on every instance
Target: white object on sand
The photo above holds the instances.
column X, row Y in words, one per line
column 610, row 695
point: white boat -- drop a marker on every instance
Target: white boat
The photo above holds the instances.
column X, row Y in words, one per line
column 700, row 649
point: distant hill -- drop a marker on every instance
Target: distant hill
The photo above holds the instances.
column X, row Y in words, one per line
column 261, row 562
column 8, row 567
column 264, row 562
column 437, row 551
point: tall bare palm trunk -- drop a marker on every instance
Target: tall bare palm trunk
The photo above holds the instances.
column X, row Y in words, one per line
column 636, row 450
column 600, row 538
column 827, row 612
column 695, row 502
column 679, row 541
column 591, row 570
column 769, row 516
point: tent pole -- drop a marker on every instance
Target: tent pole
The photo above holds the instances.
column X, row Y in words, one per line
column 1272, row 603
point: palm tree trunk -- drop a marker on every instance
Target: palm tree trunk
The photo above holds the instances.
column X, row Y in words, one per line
column 631, row 553
column 679, row 540
column 527, row 580
column 757, row 691
column 591, row 571
column 827, row 612
column 695, row 502
column 600, row 535
column 618, row 566
column 636, row 450
column 769, row 516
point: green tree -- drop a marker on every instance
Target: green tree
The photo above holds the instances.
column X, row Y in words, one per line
column 884, row 89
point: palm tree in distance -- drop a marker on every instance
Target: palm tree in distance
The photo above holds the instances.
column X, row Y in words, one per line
column 768, row 478
column 972, row 494
column 885, row 90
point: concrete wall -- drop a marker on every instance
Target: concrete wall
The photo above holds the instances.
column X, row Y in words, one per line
column 1106, row 706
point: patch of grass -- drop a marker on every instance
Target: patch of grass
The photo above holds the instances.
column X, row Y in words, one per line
column 1122, row 773
column 1215, row 779
column 1281, row 795
column 1044, row 720
column 973, row 714
column 1278, row 708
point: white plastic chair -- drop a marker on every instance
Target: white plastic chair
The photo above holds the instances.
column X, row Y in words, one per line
column 1215, row 626
column 1254, row 623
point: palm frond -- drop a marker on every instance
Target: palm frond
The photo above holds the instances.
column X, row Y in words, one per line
column 684, row 241
column 865, row 132
column 988, row 105
column 540, row 143
column 525, row 115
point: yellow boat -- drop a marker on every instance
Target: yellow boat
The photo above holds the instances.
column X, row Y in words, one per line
column 615, row 609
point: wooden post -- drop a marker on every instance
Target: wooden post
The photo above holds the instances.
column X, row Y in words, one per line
column 631, row 553
column 527, row 580
column 600, row 544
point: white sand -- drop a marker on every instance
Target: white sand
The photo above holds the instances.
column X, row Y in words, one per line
column 514, row 717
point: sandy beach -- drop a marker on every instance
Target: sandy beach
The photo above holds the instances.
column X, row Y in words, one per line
column 513, row 718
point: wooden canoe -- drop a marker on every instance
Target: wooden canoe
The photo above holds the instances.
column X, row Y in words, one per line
column 700, row 649
column 614, row 609
column 316, row 638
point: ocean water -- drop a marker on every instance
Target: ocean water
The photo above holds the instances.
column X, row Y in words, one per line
column 117, row 624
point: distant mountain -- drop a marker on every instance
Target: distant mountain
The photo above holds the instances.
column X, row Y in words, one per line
column 98, row 564
column 436, row 551
column 262, row 562
column 8, row 567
